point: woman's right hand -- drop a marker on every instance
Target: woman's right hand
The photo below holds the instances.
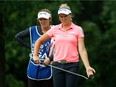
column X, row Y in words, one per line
column 36, row 59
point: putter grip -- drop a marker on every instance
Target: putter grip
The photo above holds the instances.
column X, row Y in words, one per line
column 91, row 76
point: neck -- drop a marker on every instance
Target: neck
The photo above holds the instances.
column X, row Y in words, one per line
column 45, row 29
column 66, row 26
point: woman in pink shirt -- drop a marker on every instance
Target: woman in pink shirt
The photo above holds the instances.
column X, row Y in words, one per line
column 69, row 43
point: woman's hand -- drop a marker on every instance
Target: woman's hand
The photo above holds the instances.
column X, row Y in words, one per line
column 36, row 59
column 90, row 72
column 47, row 61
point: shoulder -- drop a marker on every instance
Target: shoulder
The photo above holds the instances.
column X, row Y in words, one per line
column 77, row 27
column 55, row 27
column 34, row 26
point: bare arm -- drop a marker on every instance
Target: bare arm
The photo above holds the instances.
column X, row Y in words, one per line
column 84, row 57
column 38, row 43
column 83, row 52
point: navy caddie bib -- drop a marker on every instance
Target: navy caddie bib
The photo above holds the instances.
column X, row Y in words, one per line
column 38, row 71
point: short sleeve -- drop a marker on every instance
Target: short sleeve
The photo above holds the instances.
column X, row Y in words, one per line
column 80, row 32
column 51, row 32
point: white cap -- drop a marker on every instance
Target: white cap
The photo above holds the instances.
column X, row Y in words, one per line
column 64, row 11
column 45, row 15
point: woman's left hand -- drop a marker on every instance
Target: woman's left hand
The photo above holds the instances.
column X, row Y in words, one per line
column 47, row 61
column 90, row 71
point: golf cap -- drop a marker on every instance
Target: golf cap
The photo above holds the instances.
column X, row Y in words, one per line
column 64, row 11
column 45, row 15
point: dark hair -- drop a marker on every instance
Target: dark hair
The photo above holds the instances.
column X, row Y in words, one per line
column 48, row 11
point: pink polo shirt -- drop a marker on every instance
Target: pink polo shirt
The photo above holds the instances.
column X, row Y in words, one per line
column 66, row 42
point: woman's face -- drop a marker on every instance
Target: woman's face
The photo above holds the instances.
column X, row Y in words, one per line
column 65, row 18
column 44, row 22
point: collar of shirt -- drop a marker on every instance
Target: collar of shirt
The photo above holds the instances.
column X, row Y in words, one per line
column 60, row 27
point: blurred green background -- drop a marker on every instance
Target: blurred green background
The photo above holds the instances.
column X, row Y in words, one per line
column 97, row 18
